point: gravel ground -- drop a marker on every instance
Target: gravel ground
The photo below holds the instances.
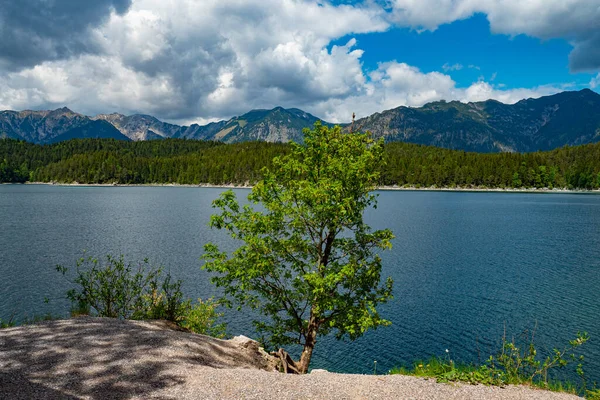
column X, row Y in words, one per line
column 95, row 358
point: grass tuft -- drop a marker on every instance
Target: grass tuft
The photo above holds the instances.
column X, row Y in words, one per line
column 517, row 363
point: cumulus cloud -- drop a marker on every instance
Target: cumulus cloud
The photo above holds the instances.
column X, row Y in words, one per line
column 396, row 84
column 481, row 91
column 198, row 61
column 212, row 58
column 574, row 20
column 33, row 31
column 74, row 83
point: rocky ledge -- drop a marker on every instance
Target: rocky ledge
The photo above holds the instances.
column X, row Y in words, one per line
column 97, row 358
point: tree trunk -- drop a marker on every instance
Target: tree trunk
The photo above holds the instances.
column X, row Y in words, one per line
column 311, row 340
column 288, row 365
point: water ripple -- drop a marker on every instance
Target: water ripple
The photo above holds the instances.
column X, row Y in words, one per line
column 467, row 266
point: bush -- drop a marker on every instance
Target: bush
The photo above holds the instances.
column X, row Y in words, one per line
column 165, row 301
column 202, row 318
column 592, row 394
column 118, row 289
column 519, row 362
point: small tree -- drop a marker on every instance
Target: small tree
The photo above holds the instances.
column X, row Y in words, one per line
column 307, row 261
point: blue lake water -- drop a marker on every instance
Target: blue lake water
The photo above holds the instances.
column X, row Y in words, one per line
column 467, row 266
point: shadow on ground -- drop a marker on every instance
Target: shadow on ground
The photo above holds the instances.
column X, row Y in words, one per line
column 108, row 359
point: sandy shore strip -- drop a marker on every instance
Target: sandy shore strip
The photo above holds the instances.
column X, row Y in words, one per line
column 385, row 188
column 99, row 358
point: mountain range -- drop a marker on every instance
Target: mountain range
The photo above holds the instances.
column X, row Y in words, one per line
column 546, row 123
column 567, row 118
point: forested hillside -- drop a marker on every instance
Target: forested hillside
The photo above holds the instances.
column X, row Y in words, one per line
column 112, row 161
column 576, row 167
column 195, row 162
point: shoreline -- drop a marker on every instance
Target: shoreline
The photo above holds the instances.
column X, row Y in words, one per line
column 200, row 185
column 150, row 359
column 382, row 188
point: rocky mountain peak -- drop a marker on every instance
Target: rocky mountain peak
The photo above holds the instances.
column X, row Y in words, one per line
column 62, row 111
column 566, row 118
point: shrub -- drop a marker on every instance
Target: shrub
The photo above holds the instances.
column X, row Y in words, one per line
column 164, row 301
column 118, row 289
column 202, row 318
column 520, row 363
column 115, row 289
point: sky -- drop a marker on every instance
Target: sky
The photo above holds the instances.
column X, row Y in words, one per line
column 197, row 61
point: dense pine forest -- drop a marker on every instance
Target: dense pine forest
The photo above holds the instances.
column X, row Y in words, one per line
column 195, row 162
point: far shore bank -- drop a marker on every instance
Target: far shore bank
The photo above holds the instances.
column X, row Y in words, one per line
column 384, row 188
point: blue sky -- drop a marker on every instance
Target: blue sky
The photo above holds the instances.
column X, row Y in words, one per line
column 515, row 61
column 190, row 61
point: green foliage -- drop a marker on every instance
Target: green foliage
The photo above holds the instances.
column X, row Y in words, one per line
column 113, row 161
column 446, row 370
column 194, row 162
column 12, row 173
column 517, row 362
column 164, row 300
column 7, row 324
column 592, row 394
column 567, row 167
column 520, row 362
column 307, row 260
column 117, row 289
column 202, row 318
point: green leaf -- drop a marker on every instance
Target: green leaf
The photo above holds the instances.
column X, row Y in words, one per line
column 306, row 260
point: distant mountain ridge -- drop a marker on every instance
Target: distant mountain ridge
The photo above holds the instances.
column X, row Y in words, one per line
column 567, row 118
column 276, row 125
column 546, row 123
column 54, row 126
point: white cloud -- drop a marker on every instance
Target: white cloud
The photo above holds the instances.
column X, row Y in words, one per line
column 481, row 91
column 198, row 61
column 397, row 84
column 574, row 20
column 88, row 84
column 454, row 67
column 595, row 82
column 189, row 59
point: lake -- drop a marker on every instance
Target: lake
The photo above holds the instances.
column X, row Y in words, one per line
column 467, row 267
